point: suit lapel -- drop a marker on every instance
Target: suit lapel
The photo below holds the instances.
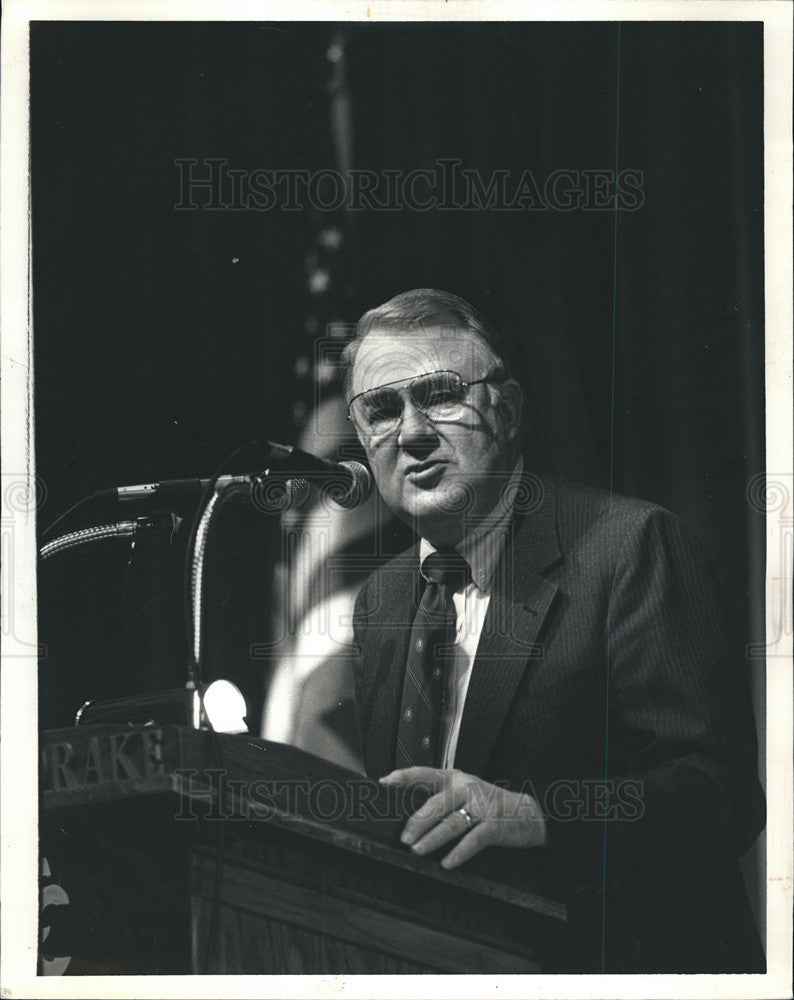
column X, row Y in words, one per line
column 521, row 598
column 386, row 648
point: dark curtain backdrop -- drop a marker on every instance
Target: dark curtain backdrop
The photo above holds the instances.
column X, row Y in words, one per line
column 164, row 339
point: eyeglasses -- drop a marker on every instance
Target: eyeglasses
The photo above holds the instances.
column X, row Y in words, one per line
column 438, row 395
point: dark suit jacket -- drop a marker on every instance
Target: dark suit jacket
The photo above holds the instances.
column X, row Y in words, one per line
column 605, row 685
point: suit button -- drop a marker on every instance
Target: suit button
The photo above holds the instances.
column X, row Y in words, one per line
column 425, row 742
column 420, row 645
column 436, row 673
column 408, row 715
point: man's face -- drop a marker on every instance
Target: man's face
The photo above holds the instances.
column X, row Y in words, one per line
column 441, row 476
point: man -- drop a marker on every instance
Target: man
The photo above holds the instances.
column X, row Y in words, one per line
column 549, row 661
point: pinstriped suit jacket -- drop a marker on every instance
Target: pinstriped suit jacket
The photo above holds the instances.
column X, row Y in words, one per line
column 604, row 654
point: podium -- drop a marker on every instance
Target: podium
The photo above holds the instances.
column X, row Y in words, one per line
column 167, row 850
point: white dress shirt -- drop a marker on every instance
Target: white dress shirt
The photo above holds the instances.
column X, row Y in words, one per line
column 482, row 549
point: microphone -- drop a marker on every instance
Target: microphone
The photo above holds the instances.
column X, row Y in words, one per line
column 348, row 484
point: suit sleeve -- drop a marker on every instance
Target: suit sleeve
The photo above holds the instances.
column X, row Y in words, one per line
column 677, row 696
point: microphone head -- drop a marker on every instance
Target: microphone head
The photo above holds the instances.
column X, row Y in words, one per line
column 274, row 494
column 296, row 493
column 351, row 495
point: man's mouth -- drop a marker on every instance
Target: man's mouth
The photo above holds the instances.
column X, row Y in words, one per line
column 426, row 473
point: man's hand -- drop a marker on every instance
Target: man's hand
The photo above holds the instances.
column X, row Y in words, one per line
column 497, row 817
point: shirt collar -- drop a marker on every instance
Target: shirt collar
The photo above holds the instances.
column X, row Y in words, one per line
column 482, row 546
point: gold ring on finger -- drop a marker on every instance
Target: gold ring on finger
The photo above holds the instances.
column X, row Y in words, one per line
column 467, row 816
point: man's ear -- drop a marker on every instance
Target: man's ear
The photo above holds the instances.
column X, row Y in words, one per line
column 511, row 404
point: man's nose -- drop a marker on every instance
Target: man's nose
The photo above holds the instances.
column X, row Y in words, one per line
column 416, row 431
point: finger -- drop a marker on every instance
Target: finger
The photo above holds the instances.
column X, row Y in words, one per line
column 449, row 828
column 474, row 841
column 413, row 775
column 432, row 812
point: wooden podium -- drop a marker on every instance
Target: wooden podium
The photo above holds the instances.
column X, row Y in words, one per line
column 170, row 850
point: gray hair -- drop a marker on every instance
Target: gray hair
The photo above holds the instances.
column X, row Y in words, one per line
column 421, row 309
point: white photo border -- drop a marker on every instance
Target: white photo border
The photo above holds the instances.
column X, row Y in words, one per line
column 18, row 703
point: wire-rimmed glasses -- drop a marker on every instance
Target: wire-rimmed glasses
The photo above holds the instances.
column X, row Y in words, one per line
column 438, row 395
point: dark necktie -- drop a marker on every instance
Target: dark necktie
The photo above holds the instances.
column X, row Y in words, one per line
column 430, row 655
